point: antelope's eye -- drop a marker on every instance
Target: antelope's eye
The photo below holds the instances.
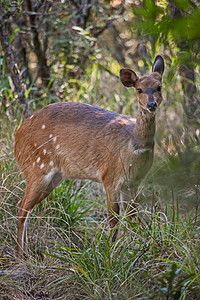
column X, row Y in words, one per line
column 159, row 88
column 139, row 91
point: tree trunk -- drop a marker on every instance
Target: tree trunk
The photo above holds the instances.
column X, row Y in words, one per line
column 13, row 69
column 43, row 68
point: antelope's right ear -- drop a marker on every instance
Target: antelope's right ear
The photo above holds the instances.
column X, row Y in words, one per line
column 128, row 77
column 158, row 65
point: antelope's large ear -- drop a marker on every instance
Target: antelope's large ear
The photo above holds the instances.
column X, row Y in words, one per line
column 158, row 65
column 128, row 77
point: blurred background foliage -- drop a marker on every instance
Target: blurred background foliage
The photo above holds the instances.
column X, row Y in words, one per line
column 73, row 51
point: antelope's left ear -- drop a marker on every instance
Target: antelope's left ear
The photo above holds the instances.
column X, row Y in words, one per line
column 158, row 65
column 128, row 77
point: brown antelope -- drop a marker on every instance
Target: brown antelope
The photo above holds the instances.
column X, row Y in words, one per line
column 79, row 141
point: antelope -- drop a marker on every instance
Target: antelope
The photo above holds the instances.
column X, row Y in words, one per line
column 70, row 140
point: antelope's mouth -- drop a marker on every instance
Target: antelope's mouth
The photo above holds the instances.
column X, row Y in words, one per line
column 152, row 106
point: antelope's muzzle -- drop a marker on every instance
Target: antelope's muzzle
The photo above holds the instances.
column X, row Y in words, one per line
column 152, row 104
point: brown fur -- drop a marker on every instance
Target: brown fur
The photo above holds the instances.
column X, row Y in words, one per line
column 79, row 141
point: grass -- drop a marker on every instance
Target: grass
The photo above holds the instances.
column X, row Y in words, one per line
column 71, row 256
column 70, row 253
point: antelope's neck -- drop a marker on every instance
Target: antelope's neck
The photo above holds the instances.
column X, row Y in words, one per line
column 144, row 131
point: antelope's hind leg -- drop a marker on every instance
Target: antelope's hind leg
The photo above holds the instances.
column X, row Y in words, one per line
column 33, row 195
column 36, row 191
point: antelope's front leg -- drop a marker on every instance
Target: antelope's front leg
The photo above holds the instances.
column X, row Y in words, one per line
column 112, row 201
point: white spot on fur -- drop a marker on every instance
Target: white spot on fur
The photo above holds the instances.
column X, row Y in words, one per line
column 58, row 146
column 35, row 145
column 44, row 151
column 54, row 139
column 50, row 175
column 43, row 126
column 51, row 163
column 55, row 177
column 42, row 166
column 33, row 164
column 31, row 116
column 50, row 136
column 38, row 159
column 140, row 151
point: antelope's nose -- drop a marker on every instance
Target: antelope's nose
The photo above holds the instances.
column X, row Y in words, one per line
column 152, row 106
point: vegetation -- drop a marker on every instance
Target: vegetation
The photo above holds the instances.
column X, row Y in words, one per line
column 73, row 51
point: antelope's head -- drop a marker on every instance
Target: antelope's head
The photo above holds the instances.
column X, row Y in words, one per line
column 148, row 88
